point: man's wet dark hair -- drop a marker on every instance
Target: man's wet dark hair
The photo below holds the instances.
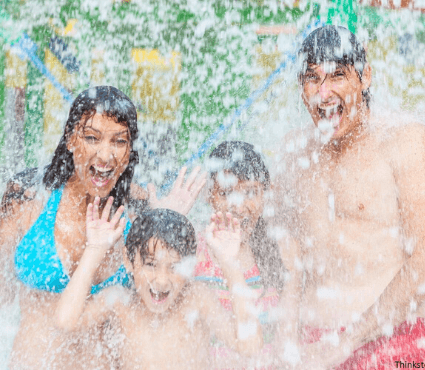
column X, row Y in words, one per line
column 241, row 159
column 333, row 44
column 172, row 228
column 110, row 102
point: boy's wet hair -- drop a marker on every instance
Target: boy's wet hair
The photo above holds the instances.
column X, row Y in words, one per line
column 172, row 228
column 333, row 44
column 110, row 102
column 242, row 160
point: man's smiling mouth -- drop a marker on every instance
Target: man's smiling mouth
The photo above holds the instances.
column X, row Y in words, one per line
column 330, row 112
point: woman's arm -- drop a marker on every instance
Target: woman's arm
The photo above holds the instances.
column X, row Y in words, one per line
column 17, row 208
column 101, row 236
column 183, row 194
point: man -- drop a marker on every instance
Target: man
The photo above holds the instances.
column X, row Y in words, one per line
column 351, row 190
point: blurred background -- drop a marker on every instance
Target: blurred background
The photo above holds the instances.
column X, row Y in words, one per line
column 187, row 65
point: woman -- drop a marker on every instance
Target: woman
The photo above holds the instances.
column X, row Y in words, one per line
column 43, row 231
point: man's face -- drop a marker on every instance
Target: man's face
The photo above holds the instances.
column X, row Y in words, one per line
column 332, row 94
column 157, row 280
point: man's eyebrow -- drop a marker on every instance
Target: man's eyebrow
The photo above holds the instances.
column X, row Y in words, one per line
column 310, row 70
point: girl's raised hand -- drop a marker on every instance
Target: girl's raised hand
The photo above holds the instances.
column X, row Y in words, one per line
column 224, row 236
column 101, row 233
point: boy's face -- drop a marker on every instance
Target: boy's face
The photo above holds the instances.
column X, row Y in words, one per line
column 243, row 199
column 157, row 282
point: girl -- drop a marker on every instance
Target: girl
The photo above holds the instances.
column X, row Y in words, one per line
column 239, row 182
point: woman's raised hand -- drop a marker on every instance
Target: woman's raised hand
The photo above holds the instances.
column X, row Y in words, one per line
column 224, row 236
column 101, row 233
column 183, row 195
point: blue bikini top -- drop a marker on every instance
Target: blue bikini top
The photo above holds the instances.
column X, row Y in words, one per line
column 37, row 263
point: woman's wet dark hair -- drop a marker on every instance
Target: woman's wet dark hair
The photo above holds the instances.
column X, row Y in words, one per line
column 333, row 44
column 241, row 159
column 171, row 227
column 110, row 102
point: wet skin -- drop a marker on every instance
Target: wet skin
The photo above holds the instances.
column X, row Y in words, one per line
column 166, row 313
column 356, row 209
column 100, row 143
column 332, row 94
column 244, row 200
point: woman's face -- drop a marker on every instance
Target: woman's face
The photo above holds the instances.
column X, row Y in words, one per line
column 243, row 199
column 101, row 151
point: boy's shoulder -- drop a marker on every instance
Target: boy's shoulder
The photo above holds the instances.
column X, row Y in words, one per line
column 117, row 299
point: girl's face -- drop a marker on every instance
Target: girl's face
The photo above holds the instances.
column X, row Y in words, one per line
column 101, row 151
column 243, row 199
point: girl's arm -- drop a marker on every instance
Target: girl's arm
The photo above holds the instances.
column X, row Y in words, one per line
column 101, row 236
column 241, row 328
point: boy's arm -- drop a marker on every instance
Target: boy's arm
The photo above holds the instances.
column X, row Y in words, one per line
column 241, row 328
column 101, row 236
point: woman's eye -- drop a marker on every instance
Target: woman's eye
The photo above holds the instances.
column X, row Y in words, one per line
column 122, row 142
column 91, row 138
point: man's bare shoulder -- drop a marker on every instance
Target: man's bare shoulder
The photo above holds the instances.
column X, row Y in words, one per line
column 401, row 142
column 117, row 299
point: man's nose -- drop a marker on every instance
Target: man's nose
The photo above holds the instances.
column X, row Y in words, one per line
column 325, row 89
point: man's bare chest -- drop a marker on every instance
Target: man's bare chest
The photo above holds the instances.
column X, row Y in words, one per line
column 358, row 188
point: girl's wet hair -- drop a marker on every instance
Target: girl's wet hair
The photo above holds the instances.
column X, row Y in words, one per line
column 240, row 159
column 172, row 228
column 110, row 102
column 333, row 44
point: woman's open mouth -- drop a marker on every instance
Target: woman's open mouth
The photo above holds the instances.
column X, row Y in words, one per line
column 100, row 176
column 159, row 297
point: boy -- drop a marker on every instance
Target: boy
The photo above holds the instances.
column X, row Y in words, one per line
column 167, row 319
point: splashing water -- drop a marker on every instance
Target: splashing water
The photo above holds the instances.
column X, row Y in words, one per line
column 187, row 66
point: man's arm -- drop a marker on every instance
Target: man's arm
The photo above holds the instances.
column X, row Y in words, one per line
column 290, row 298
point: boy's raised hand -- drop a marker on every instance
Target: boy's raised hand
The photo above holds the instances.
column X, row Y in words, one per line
column 224, row 236
column 101, row 233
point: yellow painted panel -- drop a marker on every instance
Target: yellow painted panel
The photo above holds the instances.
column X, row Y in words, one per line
column 97, row 71
column 55, row 107
column 155, row 85
column 15, row 71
